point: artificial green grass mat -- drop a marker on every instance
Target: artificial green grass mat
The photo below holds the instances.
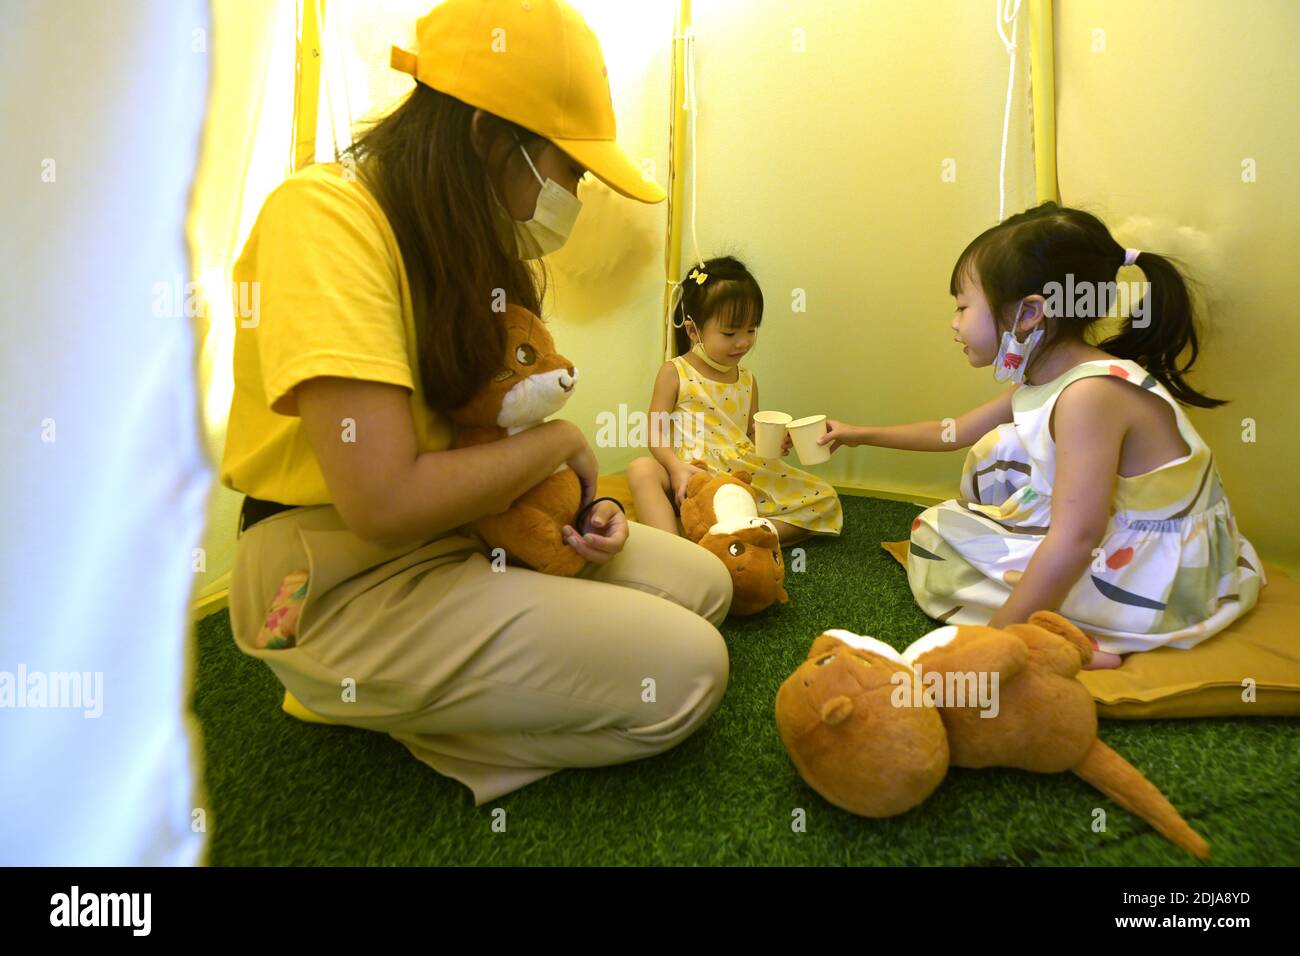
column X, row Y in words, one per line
column 284, row 792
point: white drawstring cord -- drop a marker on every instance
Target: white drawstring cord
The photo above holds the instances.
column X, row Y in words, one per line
column 1008, row 11
column 688, row 103
column 690, row 86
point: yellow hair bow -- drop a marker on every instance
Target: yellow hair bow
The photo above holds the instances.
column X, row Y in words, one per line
column 698, row 276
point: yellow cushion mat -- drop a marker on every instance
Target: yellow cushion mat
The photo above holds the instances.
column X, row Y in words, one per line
column 1207, row 680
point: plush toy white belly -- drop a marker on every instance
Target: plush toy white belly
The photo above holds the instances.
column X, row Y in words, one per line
column 734, row 510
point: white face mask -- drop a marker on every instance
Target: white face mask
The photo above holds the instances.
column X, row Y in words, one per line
column 557, row 211
column 1013, row 356
column 698, row 349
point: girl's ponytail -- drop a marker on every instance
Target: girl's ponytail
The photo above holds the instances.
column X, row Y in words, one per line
column 1167, row 329
column 1057, row 247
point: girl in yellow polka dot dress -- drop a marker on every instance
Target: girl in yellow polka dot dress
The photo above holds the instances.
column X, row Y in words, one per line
column 710, row 400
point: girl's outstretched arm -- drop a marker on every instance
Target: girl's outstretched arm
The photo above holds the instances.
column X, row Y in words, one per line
column 938, row 435
column 1089, row 423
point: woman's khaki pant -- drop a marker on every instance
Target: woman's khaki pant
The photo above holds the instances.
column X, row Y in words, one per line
column 493, row 678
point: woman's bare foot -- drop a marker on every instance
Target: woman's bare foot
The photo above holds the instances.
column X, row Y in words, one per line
column 1103, row 661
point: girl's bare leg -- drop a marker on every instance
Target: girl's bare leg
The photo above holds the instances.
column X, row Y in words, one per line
column 1103, row 661
column 651, row 491
column 788, row 533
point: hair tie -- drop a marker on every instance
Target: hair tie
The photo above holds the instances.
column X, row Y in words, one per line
column 577, row 522
column 1130, row 256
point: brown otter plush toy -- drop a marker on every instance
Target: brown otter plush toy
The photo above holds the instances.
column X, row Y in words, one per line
column 534, row 382
column 1006, row 697
column 849, row 742
column 720, row 513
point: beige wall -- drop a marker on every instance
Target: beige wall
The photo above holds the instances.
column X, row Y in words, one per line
column 821, row 170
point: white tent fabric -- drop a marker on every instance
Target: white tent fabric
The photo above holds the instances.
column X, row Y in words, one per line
column 106, row 481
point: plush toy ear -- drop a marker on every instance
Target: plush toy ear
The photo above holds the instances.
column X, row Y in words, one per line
column 823, row 644
column 836, row 710
column 696, row 482
column 743, row 476
column 699, row 463
column 1063, row 627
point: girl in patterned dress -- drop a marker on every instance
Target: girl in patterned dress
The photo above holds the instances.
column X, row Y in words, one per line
column 710, row 400
column 1087, row 490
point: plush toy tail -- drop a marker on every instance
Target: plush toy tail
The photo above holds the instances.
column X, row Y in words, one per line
column 1122, row 782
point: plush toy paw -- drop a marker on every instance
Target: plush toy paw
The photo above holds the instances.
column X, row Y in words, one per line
column 530, row 531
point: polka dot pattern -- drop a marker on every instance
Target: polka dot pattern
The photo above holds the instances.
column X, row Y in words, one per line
column 785, row 493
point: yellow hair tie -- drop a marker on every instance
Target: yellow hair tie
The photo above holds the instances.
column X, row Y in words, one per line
column 698, row 276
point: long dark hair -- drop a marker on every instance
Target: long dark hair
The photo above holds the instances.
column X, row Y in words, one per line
column 730, row 295
column 419, row 163
column 1025, row 253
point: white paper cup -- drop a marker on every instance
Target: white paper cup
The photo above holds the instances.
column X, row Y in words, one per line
column 805, row 432
column 769, row 433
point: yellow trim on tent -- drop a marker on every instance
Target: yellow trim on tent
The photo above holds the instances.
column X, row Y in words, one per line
column 306, row 89
column 676, row 159
column 1042, row 83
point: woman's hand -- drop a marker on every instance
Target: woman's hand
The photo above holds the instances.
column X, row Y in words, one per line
column 604, row 533
column 680, row 478
column 839, row 433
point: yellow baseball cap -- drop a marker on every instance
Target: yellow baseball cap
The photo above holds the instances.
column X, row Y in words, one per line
column 535, row 63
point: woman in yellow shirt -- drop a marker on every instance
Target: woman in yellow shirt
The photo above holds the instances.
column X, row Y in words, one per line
column 377, row 283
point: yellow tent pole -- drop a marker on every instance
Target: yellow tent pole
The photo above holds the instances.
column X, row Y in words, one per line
column 1043, row 84
column 306, row 87
column 676, row 160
